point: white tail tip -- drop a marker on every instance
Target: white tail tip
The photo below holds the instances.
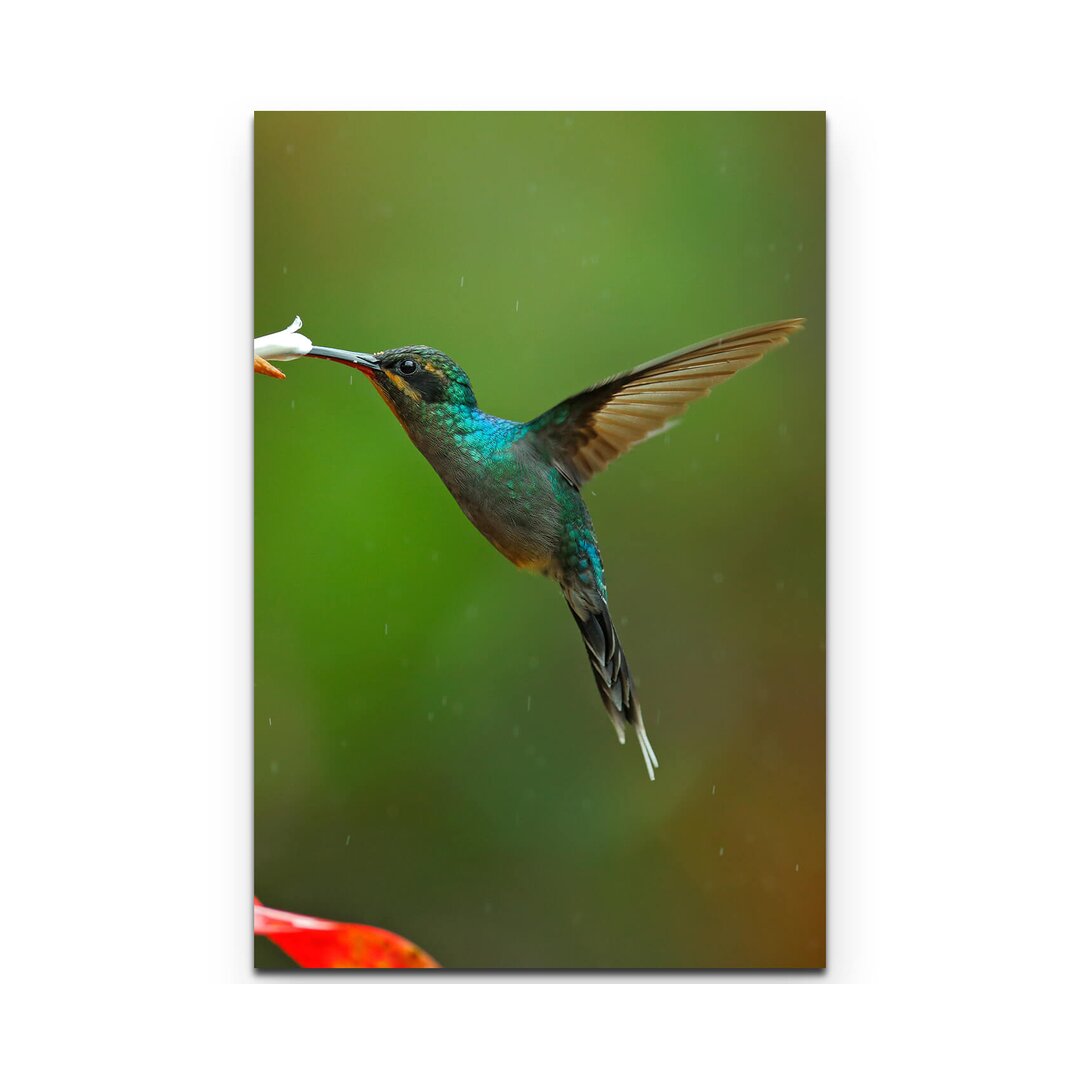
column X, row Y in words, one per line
column 647, row 751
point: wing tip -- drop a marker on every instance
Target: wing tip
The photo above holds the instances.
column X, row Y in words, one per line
column 778, row 331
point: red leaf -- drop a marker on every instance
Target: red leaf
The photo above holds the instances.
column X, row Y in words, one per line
column 320, row 943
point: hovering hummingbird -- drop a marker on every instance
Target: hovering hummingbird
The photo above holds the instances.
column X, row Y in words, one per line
column 520, row 484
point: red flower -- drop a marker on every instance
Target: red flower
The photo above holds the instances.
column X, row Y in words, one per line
column 320, row 943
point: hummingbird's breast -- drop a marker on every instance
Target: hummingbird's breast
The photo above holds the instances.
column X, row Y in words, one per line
column 500, row 481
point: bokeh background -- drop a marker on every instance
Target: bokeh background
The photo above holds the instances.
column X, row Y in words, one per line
column 431, row 755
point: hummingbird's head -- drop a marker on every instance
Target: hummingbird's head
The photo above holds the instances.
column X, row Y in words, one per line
column 409, row 379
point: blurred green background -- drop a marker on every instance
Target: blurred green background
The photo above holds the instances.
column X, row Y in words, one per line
column 431, row 755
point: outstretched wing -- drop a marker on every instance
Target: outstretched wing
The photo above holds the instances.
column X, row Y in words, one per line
column 588, row 431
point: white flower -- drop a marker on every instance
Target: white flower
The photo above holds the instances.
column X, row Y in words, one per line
column 284, row 345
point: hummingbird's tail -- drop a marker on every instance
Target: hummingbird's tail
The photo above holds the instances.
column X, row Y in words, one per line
column 610, row 670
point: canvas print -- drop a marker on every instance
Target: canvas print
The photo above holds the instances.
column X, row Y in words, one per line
column 539, row 540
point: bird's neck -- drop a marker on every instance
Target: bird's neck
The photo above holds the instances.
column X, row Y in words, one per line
column 461, row 432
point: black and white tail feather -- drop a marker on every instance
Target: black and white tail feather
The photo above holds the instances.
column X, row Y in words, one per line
column 611, row 672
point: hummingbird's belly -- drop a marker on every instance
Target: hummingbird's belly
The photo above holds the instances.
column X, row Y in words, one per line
column 515, row 532
column 517, row 514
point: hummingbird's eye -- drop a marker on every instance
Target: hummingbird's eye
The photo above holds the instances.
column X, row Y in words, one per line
column 407, row 367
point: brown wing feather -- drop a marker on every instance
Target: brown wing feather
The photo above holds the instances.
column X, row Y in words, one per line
column 585, row 433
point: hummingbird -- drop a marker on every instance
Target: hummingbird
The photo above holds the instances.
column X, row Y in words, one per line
column 521, row 484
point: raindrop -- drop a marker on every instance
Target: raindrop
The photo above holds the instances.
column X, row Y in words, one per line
column 714, row 789
column 528, row 704
column 718, row 577
column 270, row 721
column 721, row 851
column 386, row 629
column 517, row 305
column 463, row 281
column 347, row 839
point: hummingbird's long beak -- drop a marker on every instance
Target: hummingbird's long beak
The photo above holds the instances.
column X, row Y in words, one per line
column 362, row 361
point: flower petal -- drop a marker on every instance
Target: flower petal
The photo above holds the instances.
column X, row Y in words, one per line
column 263, row 368
column 321, row 943
column 286, row 344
